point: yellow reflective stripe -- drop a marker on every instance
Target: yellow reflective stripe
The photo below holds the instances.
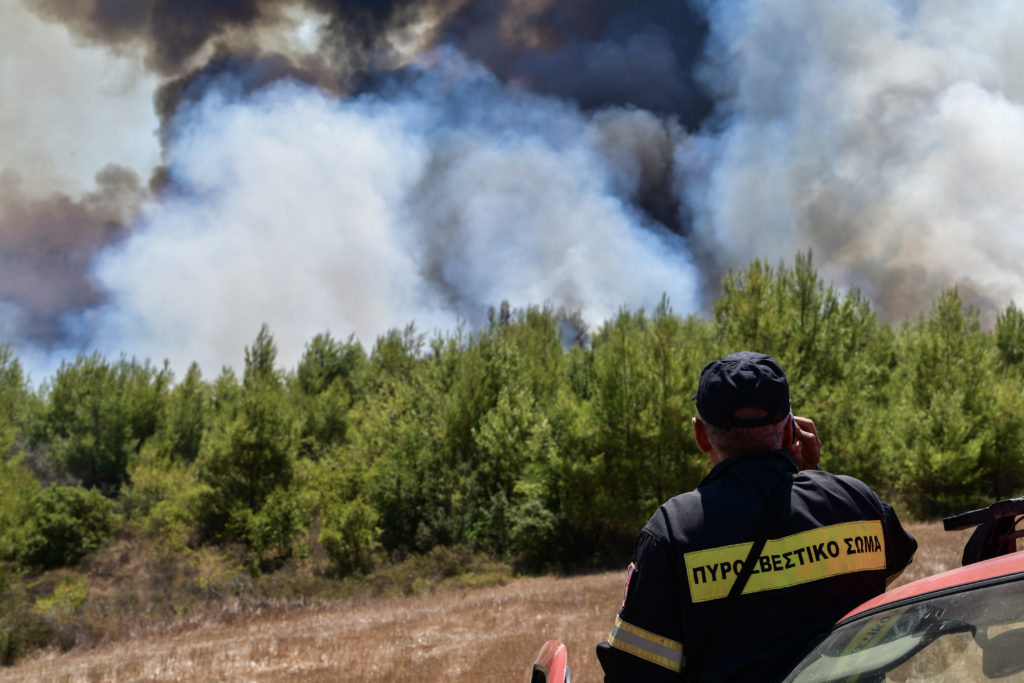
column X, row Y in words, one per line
column 789, row 561
column 646, row 645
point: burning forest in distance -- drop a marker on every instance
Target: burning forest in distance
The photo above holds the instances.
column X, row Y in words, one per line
column 175, row 174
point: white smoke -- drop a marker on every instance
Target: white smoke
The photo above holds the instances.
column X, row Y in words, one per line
column 66, row 109
column 887, row 136
column 310, row 213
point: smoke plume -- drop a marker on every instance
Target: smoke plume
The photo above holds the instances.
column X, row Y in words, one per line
column 47, row 247
column 354, row 166
column 367, row 213
column 886, row 136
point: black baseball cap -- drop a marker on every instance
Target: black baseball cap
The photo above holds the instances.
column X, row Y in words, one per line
column 742, row 380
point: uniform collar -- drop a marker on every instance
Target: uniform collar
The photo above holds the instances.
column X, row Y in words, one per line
column 775, row 459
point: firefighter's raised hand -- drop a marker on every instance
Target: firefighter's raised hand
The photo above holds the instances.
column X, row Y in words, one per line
column 804, row 443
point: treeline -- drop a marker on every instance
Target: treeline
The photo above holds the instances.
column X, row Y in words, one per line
column 524, row 441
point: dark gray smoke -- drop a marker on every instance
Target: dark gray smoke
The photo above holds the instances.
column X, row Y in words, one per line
column 596, row 52
column 639, row 53
column 47, row 247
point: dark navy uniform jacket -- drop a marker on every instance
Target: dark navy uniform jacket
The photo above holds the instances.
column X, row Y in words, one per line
column 831, row 544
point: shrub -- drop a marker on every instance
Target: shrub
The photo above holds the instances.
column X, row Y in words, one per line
column 163, row 499
column 349, row 534
column 21, row 628
column 533, row 539
column 67, row 523
column 273, row 532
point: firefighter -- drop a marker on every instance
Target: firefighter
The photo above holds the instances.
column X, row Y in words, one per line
column 736, row 579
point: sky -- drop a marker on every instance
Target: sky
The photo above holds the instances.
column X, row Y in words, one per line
column 175, row 174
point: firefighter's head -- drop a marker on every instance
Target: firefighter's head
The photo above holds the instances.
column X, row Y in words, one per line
column 743, row 404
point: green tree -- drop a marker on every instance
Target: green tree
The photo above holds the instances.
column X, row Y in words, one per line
column 99, row 414
column 18, row 485
column 1002, row 460
column 751, row 311
column 643, row 452
column 1010, row 336
column 394, row 356
column 247, row 458
column 18, row 488
column 406, row 484
column 403, row 430
column 326, row 361
column 18, row 405
column 348, row 521
column 838, row 358
column 622, row 407
column 185, row 417
column 330, row 377
column 451, row 435
column 260, row 360
column 944, row 424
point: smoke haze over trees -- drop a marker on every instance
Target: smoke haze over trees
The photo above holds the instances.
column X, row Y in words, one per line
column 174, row 174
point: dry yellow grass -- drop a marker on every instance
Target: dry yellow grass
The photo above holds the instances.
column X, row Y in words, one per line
column 485, row 634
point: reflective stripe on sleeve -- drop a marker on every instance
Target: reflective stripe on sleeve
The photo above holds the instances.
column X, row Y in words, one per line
column 646, row 645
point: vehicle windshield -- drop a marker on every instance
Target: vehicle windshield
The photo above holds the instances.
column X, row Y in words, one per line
column 968, row 635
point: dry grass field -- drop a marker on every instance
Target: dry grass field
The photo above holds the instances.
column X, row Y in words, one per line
column 484, row 634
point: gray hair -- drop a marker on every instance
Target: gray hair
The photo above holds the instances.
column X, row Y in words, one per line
column 740, row 440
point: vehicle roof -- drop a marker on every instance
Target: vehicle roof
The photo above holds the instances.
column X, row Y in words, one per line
column 961, row 576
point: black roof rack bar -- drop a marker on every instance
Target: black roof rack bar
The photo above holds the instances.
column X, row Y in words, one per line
column 996, row 533
column 1012, row 507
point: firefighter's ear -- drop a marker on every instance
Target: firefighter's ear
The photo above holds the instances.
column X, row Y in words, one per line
column 700, row 433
